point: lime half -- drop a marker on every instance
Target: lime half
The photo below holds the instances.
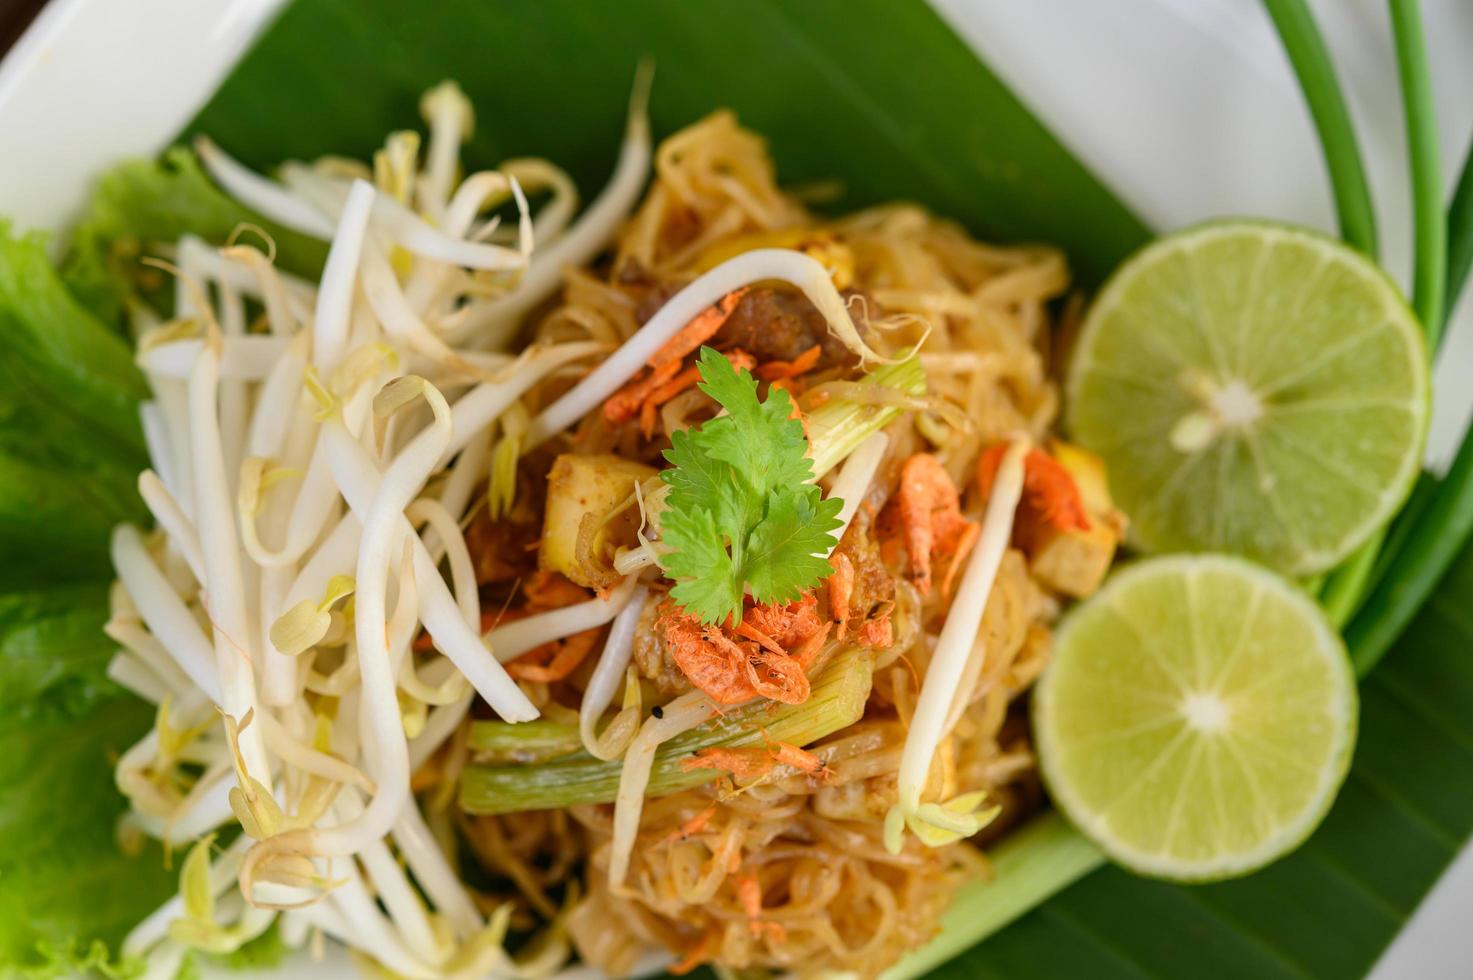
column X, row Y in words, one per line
column 1255, row 389
column 1197, row 718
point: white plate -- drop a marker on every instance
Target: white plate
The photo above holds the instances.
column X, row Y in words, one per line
column 1186, row 108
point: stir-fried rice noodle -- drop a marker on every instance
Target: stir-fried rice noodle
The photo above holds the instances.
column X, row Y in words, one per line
column 815, row 848
column 349, row 493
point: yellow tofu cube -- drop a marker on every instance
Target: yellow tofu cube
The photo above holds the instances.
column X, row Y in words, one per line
column 582, row 494
column 1071, row 561
column 1074, row 562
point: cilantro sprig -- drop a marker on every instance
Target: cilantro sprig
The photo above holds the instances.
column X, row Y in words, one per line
column 742, row 511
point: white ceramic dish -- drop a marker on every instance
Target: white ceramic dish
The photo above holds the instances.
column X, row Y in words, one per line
column 1185, row 107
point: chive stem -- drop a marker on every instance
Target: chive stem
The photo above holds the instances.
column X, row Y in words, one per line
column 1317, row 80
column 1430, row 547
column 1429, row 278
column 1345, row 588
column 1460, row 234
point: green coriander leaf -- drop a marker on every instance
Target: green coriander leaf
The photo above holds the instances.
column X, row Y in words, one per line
column 761, row 440
column 741, row 510
column 697, row 476
column 708, row 583
column 786, row 549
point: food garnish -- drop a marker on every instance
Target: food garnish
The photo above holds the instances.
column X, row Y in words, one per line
column 742, row 514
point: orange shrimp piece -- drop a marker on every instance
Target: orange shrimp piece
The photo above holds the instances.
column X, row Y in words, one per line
column 876, row 633
column 701, row 328
column 964, row 545
column 746, row 630
column 1049, row 492
column 841, row 589
column 787, row 754
column 777, row 676
column 741, row 763
column 713, row 664
column 787, row 623
column 749, row 895
column 802, row 364
column 728, row 672
column 808, row 649
column 929, row 509
column 694, row 825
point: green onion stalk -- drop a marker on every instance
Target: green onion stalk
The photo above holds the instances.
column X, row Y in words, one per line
column 837, row 701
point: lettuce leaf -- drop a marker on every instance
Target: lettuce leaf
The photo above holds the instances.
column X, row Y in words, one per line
column 70, row 450
column 142, row 203
column 68, row 893
column 265, row 952
column 70, row 440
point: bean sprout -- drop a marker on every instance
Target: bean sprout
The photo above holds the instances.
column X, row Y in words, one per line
column 607, row 676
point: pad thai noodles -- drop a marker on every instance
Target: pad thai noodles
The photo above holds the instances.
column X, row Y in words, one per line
column 647, row 583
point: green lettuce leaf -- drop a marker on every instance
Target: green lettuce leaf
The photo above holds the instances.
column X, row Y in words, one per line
column 68, row 893
column 70, row 440
column 265, row 952
column 141, row 203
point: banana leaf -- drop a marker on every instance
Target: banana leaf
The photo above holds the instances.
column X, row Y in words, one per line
column 878, row 94
column 881, row 96
column 1329, row 909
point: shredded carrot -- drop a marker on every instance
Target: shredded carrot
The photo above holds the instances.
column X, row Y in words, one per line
column 802, row 364
column 647, row 419
column 568, row 654
column 797, row 413
column 749, row 893
column 701, row 328
column 624, row 404
column 928, row 509
column 1049, row 492
column 686, row 379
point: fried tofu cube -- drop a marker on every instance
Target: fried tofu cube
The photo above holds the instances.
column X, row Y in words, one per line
column 1071, row 561
column 580, row 529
